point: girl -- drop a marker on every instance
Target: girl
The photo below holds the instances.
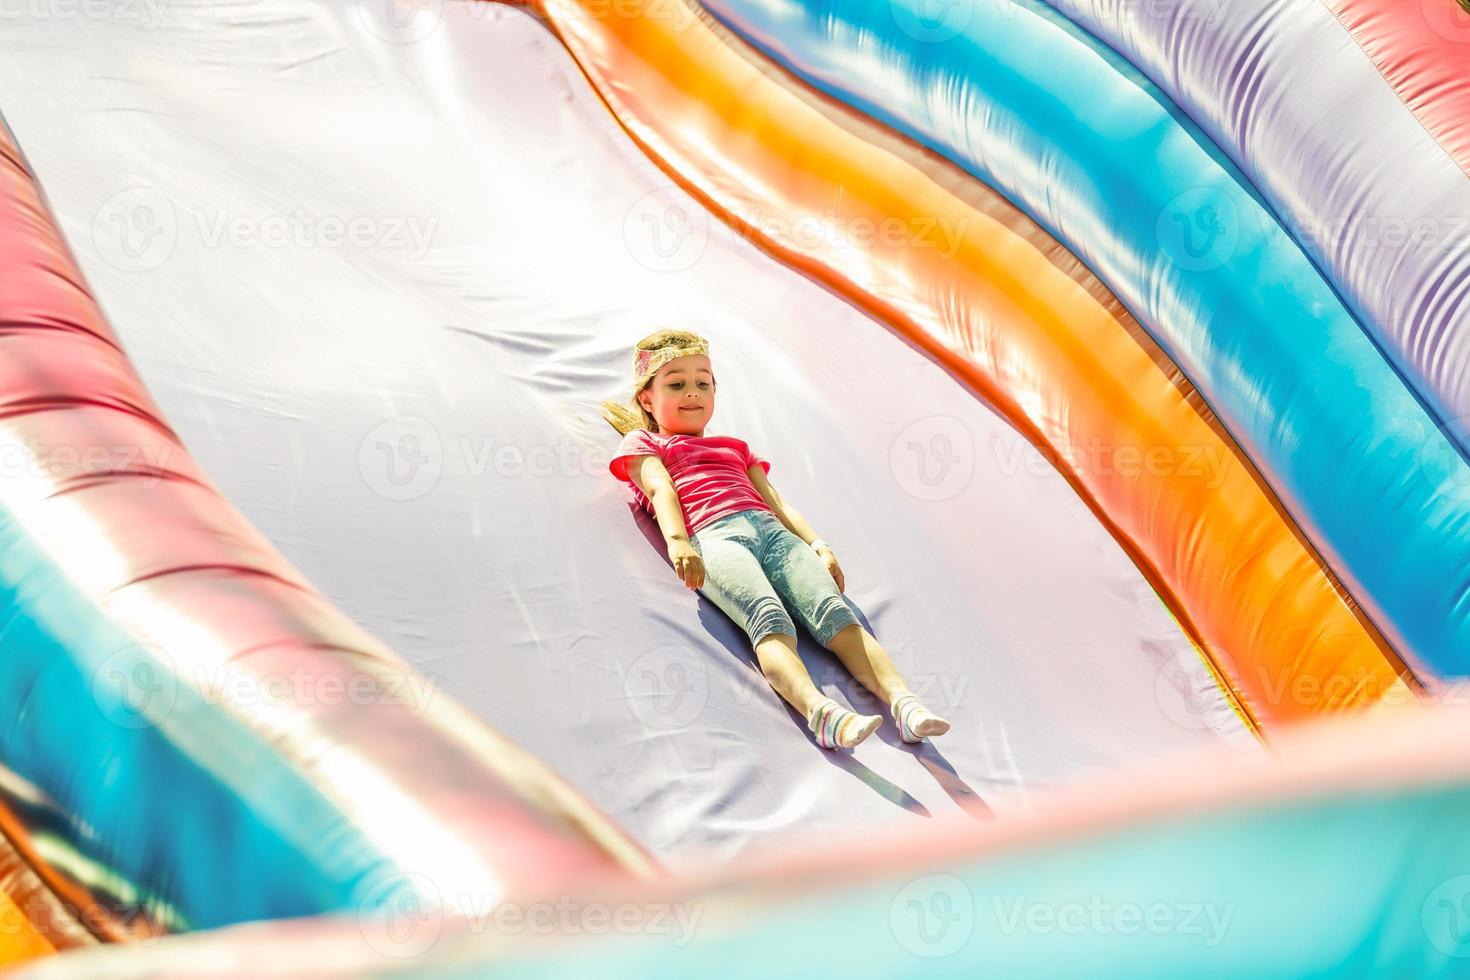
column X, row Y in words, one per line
column 731, row 537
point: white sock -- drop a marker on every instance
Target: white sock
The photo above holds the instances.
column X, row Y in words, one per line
column 914, row 720
column 838, row 727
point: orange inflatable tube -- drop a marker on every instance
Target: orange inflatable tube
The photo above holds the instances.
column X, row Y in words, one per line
column 22, row 941
column 1007, row 310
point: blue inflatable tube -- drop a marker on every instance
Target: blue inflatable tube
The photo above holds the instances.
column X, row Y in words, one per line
column 172, row 801
column 1079, row 139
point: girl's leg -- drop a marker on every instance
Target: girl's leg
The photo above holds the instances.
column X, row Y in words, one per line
column 801, row 577
column 870, row 664
column 861, row 654
column 832, row 724
column 776, row 653
column 735, row 581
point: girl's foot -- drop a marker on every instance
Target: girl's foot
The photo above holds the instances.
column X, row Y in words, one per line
column 915, row 721
column 837, row 727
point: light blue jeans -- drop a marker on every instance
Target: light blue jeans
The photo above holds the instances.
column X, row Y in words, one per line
column 752, row 562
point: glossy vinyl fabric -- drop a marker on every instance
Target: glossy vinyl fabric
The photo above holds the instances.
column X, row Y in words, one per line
column 52, row 881
column 537, row 597
column 1213, row 866
column 146, row 626
column 1102, row 159
column 1381, row 207
column 1423, row 50
column 520, row 580
column 61, row 647
column 36, row 922
column 1008, row 310
column 23, row 941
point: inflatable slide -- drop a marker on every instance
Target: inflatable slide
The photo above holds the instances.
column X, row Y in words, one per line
column 1120, row 350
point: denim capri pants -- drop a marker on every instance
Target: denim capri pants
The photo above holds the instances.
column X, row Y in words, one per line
column 752, row 562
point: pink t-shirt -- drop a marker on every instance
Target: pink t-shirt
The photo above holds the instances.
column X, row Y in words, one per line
column 709, row 473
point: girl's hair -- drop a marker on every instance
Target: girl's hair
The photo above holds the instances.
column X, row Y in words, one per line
column 627, row 417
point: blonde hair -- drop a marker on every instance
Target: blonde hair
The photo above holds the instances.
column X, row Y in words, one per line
column 625, row 417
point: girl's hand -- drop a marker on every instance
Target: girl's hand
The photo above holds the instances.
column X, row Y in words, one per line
column 830, row 560
column 687, row 563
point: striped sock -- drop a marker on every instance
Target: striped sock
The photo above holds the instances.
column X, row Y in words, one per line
column 836, row 726
column 914, row 720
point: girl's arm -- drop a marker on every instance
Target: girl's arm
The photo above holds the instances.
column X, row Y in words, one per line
column 652, row 477
column 796, row 523
column 788, row 514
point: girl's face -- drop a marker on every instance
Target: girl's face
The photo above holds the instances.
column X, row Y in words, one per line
column 681, row 397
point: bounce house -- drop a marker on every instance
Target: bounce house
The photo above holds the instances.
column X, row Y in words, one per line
column 1121, row 348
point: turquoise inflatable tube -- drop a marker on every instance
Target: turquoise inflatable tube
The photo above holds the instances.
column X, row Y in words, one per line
column 177, row 807
column 1210, row 897
column 1075, row 136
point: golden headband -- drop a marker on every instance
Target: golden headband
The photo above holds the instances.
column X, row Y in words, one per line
column 647, row 362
